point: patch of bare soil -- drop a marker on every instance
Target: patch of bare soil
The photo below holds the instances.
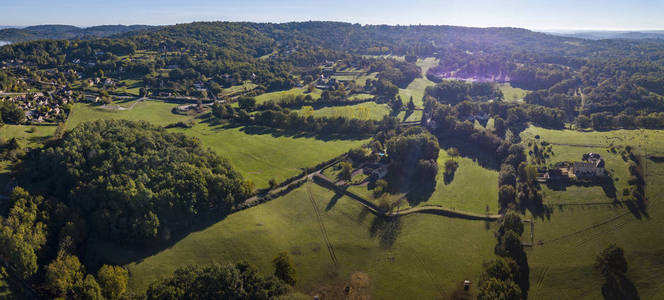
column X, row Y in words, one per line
column 357, row 287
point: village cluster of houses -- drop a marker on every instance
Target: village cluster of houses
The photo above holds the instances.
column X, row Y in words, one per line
column 591, row 167
column 108, row 82
column 39, row 107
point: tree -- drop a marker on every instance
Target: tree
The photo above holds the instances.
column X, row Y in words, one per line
column 247, row 103
column 346, row 171
column 411, row 104
column 11, row 113
column 232, row 281
column 453, row 152
column 22, row 233
column 499, row 280
column 510, row 246
column 397, row 104
column 113, row 281
column 499, row 126
column 494, row 289
column 381, row 188
column 507, row 175
column 284, row 268
column 506, row 195
column 63, row 273
column 272, row 182
column 511, row 221
column 87, row 289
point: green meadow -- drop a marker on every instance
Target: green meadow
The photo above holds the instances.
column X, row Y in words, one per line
column 366, row 110
column 510, row 93
column 473, row 188
column 416, row 88
column 580, row 221
column 282, row 95
column 261, row 154
column 408, row 256
column 155, row 112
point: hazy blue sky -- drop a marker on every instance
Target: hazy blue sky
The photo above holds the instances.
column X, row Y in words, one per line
column 560, row 14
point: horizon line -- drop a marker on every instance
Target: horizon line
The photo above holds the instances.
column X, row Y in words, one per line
column 538, row 29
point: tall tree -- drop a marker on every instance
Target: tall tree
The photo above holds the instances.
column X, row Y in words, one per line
column 113, row 281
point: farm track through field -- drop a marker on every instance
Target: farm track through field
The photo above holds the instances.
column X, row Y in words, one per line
column 118, row 107
column 323, row 230
column 541, row 276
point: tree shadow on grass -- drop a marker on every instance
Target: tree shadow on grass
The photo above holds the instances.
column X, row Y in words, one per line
column 407, row 115
column 486, row 159
column 261, row 130
column 386, row 229
column 619, row 288
column 120, row 254
column 333, row 201
column 448, row 177
column 421, row 191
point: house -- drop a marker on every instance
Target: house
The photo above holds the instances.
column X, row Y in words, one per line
column 91, row 98
column 588, row 169
column 379, row 172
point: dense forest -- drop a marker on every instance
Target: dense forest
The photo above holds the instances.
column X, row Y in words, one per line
column 61, row 32
column 131, row 180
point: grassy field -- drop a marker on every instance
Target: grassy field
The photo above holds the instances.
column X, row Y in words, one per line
column 247, row 86
column 563, row 264
column 401, row 259
column 574, row 232
column 373, row 111
column 281, row 95
column 27, row 135
column 131, row 86
column 417, row 87
column 511, row 93
column 261, row 154
column 652, row 139
column 156, row 112
column 472, row 189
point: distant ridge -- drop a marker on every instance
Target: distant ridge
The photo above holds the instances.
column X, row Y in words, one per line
column 600, row 34
column 60, row 32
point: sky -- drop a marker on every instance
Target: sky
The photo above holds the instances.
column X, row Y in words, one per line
column 536, row 15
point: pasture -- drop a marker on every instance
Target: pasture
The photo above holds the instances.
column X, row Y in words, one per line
column 365, row 111
column 512, row 94
column 398, row 259
column 287, row 94
column 261, row 153
column 416, row 88
column 27, row 135
column 581, row 221
column 155, row 112
column 472, row 189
